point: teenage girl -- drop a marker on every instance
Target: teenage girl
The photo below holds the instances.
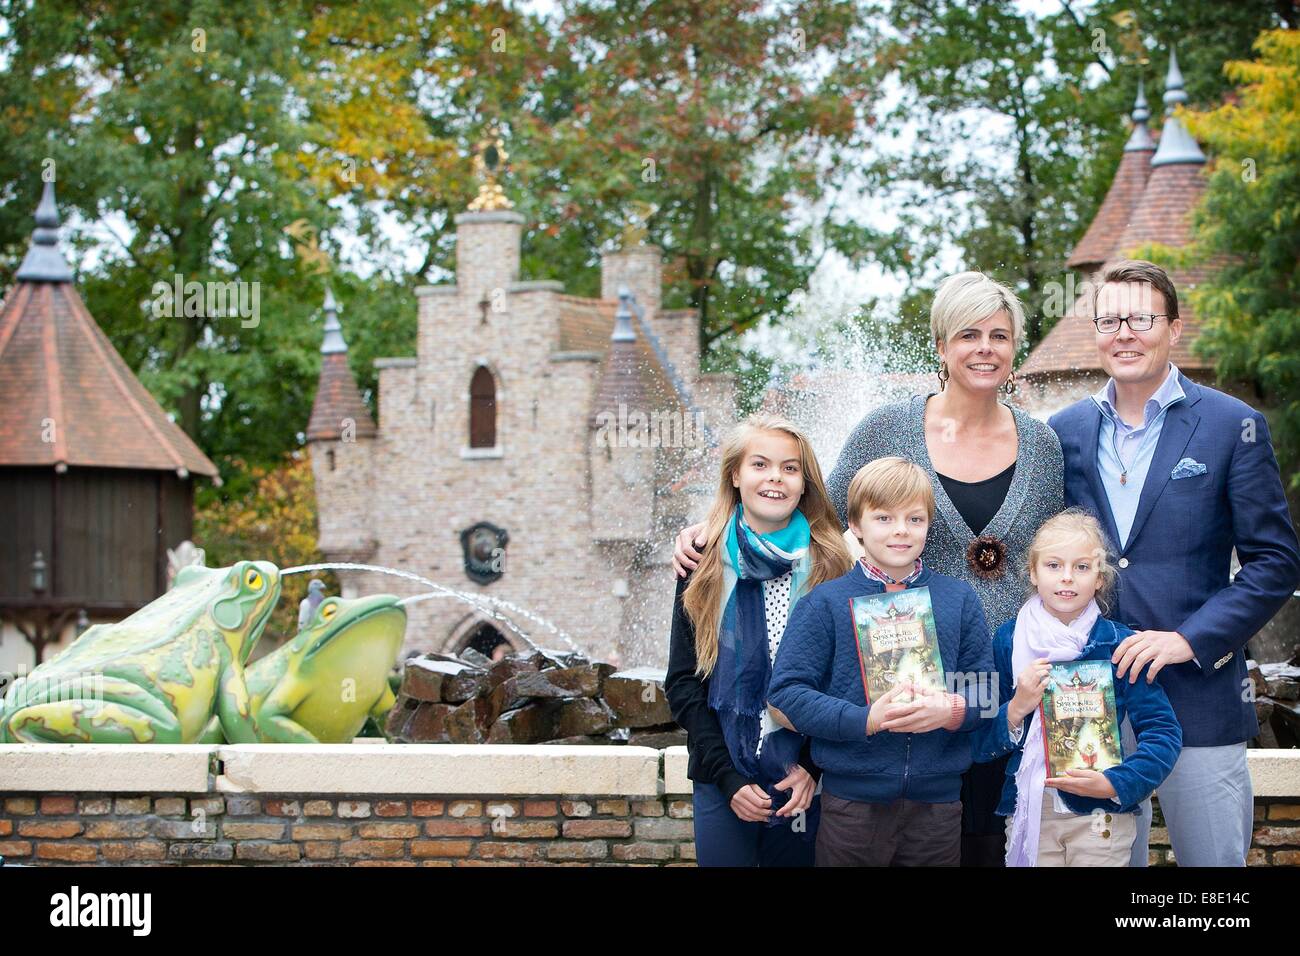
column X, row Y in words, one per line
column 772, row 535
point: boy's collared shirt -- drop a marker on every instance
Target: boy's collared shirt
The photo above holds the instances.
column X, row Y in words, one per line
column 876, row 574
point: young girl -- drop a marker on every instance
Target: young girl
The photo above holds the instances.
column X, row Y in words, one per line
column 1088, row 817
column 772, row 535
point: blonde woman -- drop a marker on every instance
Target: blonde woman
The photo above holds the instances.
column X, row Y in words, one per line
column 997, row 476
column 771, row 535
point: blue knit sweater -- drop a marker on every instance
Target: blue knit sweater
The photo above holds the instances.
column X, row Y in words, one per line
column 1159, row 735
column 817, row 684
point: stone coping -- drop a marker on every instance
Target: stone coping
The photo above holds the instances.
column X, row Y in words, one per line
column 365, row 767
column 63, row 768
column 332, row 768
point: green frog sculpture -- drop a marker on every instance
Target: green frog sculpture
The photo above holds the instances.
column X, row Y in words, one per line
column 322, row 686
column 172, row 672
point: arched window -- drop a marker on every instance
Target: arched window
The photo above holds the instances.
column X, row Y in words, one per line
column 482, row 410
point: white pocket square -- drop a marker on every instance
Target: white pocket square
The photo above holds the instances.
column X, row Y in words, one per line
column 1186, row 469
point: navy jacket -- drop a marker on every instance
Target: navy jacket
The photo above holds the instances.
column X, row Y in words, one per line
column 817, row 684
column 1173, row 573
column 1159, row 736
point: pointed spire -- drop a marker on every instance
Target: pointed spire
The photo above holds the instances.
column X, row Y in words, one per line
column 44, row 261
column 623, row 331
column 1176, row 143
column 1140, row 138
column 333, row 341
column 1174, row 92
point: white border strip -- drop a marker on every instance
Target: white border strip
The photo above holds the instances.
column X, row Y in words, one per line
column 504, row 769
column 105, row 768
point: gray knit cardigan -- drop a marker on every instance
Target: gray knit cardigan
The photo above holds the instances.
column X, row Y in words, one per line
column 1036, row 493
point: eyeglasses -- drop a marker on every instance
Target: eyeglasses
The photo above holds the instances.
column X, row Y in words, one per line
column 1137, row 322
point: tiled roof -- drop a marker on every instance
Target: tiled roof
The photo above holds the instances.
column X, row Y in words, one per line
column 631, row 375
column 585, row 324
column 338, row 400
column 68, row 398
column 1101, row 242
column 1162, row 216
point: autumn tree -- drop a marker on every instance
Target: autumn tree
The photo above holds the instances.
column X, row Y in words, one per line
column 1250, row 218
column 273, row 520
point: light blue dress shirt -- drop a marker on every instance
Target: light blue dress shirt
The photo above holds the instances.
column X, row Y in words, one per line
column 1126, row 450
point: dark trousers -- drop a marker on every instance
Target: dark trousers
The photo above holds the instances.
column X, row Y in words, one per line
column 983, row 832
column 723, row 839
column 901, row 833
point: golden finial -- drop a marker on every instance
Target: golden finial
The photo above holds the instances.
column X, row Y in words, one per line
column 638, row 226
column 489, row 160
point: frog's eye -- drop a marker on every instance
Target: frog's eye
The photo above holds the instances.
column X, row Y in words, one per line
column 253, row 579
column 328, row 611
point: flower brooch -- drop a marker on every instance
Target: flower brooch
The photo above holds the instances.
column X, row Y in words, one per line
column 987, row 557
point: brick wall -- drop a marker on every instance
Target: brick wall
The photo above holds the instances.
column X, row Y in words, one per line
column 415, row 830
column 345, row 830
column 1276, row 840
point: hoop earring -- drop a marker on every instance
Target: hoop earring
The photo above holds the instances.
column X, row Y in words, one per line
column 943, row 375
column 1010, row 385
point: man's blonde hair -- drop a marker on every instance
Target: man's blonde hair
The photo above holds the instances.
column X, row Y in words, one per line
column 889, row 483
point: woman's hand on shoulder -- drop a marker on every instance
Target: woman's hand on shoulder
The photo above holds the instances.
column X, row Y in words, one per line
column 688, row 549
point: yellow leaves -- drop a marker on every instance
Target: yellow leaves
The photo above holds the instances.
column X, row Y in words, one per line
column 275, row 521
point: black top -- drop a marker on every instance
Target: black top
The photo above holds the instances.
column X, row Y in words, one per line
column 978, row 501
column 688, row 698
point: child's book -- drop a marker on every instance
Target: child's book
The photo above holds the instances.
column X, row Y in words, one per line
column 1080, row 721
column 897, row 641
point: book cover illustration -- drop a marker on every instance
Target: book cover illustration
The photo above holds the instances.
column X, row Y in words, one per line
column 897, row 641
column 1080, row 721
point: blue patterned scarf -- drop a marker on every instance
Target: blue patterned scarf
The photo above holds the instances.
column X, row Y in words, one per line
column 739, row 682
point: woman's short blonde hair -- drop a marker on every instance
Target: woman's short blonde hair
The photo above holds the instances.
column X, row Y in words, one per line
column 1071, row 525
column 889, row 483
column 966, row 299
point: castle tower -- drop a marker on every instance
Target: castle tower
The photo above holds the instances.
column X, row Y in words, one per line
column 1067, row 356
column 340, row 436
column 1101, row 242
column 623, row 412
column 96, row 481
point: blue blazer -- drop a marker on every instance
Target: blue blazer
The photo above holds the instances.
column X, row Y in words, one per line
column 1159, row 738
column 1173, row 573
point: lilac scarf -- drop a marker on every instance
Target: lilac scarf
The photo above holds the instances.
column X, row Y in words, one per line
column 1038, row 634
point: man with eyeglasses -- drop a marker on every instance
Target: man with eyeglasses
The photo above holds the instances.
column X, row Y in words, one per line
column 1179, row 474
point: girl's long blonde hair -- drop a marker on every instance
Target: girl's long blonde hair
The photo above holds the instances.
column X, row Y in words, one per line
column 830, row 556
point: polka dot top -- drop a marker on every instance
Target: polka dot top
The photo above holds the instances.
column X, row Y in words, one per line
column 776, row 605
column 776, row 602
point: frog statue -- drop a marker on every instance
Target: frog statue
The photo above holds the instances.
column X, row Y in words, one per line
column 172, row 672
column 321, row 686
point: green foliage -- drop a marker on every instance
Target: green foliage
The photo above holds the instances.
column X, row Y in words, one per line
column 1049, row 98
column 271, row 518
column 1249, row 227
column 278, row 143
